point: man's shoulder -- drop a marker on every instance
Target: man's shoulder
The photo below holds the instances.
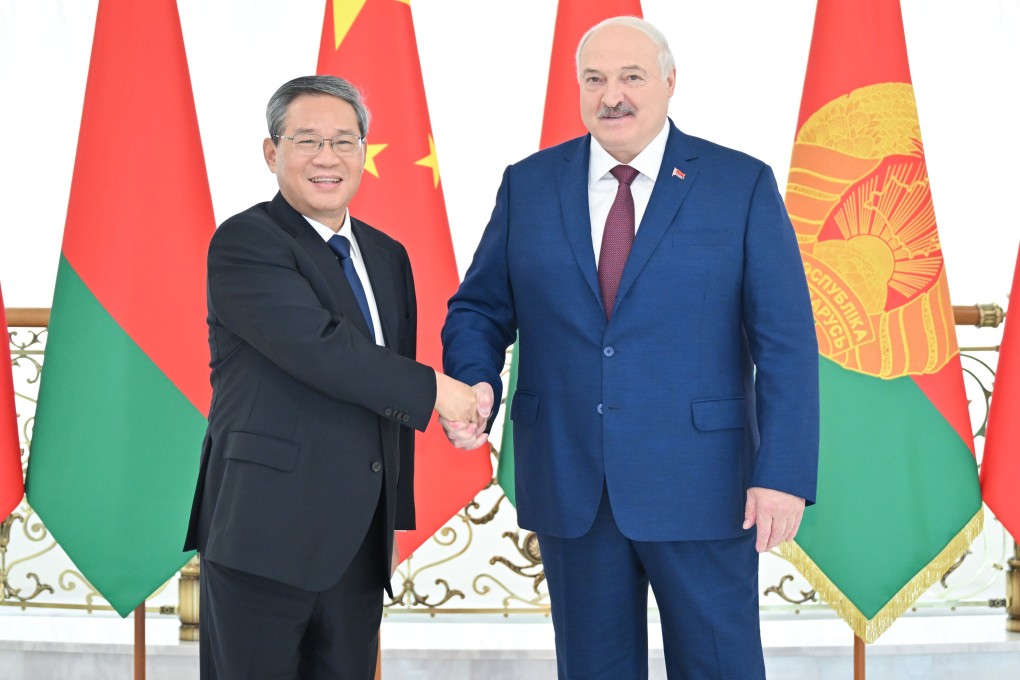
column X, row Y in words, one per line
column 554, row 154
column 256, row 223
column 258, row 213
column 717, row 153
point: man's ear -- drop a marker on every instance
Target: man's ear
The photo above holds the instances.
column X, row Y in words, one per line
column 269, row 151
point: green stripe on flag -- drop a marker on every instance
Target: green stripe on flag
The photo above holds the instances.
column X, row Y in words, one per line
column 115, row 451
column 896, row 487
column 505, row 471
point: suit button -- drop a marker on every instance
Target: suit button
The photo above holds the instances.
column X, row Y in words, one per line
column 599, row 409
column 387, row 412
column 608, row 351
column 376, row 466
column 405, row 417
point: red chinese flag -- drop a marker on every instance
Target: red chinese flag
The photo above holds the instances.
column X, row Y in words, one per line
column 1000, row 466
column 12, row 485
column 573, row 19
column 371, row 43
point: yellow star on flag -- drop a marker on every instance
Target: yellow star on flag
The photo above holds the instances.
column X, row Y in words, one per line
column 431, row 161
column 371, row 151
column 344, row 14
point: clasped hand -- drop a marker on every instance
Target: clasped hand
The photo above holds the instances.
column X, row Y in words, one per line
column 463, row 411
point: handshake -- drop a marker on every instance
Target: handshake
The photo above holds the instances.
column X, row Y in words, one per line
column 463, row 411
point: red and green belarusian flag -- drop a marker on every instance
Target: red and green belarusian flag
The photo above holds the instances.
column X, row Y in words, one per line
column 898, row 495
column 125, row 388
column 562, row 121
column 372, row 44
column 12, row 486
column 1000, row 462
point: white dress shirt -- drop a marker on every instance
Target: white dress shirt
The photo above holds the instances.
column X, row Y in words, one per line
column 602, row 185
column 359, row 266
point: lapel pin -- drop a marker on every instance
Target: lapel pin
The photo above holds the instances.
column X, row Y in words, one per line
column 678, row 174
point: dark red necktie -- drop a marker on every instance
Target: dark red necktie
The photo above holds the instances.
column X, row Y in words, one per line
column 617, row 237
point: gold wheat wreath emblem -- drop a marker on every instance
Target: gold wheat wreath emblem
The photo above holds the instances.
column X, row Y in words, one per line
column 860, row 202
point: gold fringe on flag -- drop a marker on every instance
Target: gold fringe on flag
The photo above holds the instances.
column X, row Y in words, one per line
column 869, row 630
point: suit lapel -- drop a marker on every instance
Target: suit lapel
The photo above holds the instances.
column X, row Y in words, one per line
column 663, row 206
column 380, row 265
column 324, row 259
column 572, row 183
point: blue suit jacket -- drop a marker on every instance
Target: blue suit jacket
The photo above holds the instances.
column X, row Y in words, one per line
column 703, row 383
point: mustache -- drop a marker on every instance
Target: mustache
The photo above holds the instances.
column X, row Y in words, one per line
column 620, row 109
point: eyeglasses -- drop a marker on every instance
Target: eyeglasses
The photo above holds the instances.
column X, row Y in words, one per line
column 309, row 144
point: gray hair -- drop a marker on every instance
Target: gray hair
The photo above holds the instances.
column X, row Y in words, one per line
column 666, row 62
column 330, row 86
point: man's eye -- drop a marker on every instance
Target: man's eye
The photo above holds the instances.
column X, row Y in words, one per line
column 304, row 143
column 343, row 144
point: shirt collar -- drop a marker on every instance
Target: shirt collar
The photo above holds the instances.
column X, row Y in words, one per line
column 648, row 162
column 345, row 230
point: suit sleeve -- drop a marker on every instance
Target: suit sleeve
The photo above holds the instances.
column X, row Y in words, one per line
column 405, row 519
column 781, row 336
column 259, row 292
column 481, row 320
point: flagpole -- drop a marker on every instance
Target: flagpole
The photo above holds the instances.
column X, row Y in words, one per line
column 858, row 658
column 140, row 642
column 1013, row 591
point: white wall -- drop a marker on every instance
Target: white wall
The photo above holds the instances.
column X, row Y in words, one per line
column 740, row 73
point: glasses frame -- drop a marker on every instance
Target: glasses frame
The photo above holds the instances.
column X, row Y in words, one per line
column 322, row 142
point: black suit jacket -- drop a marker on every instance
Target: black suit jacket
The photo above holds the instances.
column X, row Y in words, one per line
column 310, row 419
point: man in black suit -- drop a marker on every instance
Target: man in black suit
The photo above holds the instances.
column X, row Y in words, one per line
column 307, row 465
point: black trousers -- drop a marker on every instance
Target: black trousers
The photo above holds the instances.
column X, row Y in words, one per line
column 254, row 628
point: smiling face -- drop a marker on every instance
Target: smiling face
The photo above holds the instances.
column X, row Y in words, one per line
column 624, row 98
column 319, row 186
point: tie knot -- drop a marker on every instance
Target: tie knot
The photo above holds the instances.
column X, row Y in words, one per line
column 624, row 174
column 340, row 245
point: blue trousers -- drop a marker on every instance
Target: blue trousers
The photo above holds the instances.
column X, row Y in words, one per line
column 706, row 592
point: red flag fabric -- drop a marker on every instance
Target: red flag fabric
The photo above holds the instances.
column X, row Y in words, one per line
column 1000, row 466
column 12, row 484
column 372, row 44
column 562, row 119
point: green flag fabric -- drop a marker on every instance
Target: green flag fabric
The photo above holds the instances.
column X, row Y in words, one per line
column 505, row 471
column 125, row 387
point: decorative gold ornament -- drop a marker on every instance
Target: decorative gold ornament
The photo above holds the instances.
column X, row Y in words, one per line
column 861, row 205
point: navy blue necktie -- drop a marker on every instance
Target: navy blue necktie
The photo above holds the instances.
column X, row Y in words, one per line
column 342, row 247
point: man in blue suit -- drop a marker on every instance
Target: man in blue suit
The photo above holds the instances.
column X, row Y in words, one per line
column 667, row 396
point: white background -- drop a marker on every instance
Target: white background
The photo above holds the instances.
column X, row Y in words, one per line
column 740, row 70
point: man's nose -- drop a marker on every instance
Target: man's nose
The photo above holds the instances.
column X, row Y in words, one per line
column 613, row 95
column 326, row 155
